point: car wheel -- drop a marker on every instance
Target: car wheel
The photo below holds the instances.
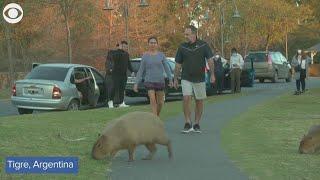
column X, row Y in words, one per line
column 25, row 111
column 74, row 105
column 275, row 77
column 288, row 79
column 261, row 80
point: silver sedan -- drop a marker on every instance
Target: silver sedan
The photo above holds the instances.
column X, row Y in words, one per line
column 59, row 87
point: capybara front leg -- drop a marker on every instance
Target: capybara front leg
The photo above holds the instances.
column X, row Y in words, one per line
column 166, row 142
column 131, row 150
column 152, row 150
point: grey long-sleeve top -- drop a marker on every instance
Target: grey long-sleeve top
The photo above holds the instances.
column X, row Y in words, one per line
column 152, row 68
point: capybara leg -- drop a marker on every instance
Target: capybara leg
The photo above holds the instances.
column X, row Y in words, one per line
column 166, row 142
column 169, row 146
column 152, row 150
column 131, row 150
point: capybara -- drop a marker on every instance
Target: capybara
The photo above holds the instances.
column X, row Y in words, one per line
column 310, row 143
column 129, row 131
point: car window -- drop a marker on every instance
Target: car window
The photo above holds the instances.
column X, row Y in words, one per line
column 276, row 58
column 171, row 65
column 97, row 76
column 256, row 57
column 48, row 73
column 78, row 73
column 135, row 65
column 283, row 59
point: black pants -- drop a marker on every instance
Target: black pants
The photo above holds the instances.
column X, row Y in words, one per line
column 109, row 87
column 219, row 81
column 302, row 80
column 119, row 85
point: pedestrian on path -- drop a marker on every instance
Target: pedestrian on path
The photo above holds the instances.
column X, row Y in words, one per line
column 153, row 65
column 300, row 68
column 191, row 57
column 236, row 64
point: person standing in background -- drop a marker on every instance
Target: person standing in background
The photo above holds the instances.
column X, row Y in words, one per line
column 108, row 75
column 300, row 67
column 236, row 64
column 121, row 63
column 218, row 72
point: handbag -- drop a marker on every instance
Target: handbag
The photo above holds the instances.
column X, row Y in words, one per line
column 297, row 68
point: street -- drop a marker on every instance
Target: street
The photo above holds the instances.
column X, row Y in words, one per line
column 7, row 109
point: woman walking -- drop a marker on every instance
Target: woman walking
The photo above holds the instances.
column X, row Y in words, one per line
column 300, row 66
column 153, row 65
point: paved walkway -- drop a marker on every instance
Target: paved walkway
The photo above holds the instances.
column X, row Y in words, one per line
column 196, row 156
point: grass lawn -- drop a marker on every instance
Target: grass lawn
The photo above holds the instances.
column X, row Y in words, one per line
column 37, row 135
column 264, row 141
column 5, row 93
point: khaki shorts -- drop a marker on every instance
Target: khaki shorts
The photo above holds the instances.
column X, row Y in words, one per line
column 196, row 89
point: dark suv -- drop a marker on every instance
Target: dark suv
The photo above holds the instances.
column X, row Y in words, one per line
column 268, row 65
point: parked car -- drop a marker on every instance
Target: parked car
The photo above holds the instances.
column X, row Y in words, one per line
column 247, row 77
column 142, row 92
column 53, row 87
column 269, row 65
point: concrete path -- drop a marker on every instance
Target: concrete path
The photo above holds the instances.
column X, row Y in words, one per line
column 198, row 156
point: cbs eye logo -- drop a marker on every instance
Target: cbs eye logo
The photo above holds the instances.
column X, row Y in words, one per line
column 12, row 13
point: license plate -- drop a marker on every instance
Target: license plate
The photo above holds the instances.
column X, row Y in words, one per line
column 33, row 91
column 131, row 80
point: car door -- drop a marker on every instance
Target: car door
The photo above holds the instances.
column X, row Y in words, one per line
column 285, row 66
column 80, row 73
column 93, row 88
column 277, row 64
column 101, row 84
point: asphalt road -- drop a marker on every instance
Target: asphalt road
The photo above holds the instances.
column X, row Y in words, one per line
column 7, row 109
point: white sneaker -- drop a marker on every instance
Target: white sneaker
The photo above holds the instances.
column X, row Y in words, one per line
column 110, row 104
column 123, row 105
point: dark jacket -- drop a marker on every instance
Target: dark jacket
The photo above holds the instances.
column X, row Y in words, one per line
column 218, row 66
column 121, row 63
column 109, row 62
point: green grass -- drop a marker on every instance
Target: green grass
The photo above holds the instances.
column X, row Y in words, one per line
column 264, row 141
column 5, row 93
column 37, row 135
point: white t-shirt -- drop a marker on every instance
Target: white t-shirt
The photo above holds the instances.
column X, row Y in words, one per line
column 303, row 64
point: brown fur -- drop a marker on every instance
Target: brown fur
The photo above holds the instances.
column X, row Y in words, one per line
column 310, row 143
column 129, row 131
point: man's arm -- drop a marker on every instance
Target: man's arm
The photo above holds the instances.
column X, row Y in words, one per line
column 177, row 71
column 211, row 65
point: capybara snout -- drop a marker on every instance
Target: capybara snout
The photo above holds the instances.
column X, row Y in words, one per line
column 310, row 143
column 129, row 131
column 99, row 149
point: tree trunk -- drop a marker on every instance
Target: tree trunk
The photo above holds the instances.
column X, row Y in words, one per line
column 267, row 42
column 9, row 49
